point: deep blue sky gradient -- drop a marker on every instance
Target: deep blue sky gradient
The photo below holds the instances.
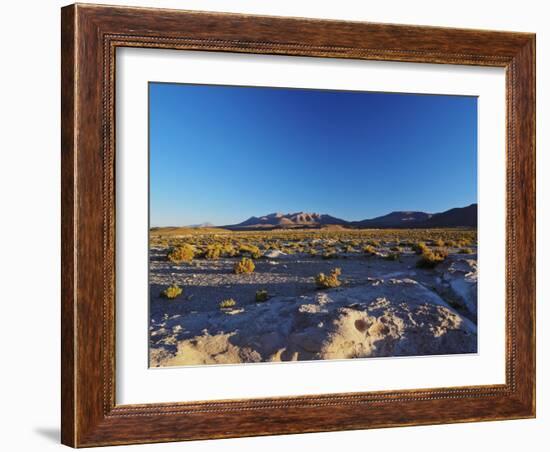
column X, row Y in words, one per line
column 221, row 154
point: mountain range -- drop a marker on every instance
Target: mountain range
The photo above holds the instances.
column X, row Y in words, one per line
column 457, row 217
column 289, row 220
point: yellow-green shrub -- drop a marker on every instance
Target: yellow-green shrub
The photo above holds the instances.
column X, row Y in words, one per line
column 392, row 256
column 245, row 265
column 369, row 249
column 431, row 258
column 212, row 252
column 420, row 248
column 229, row 250
column 229, row 303
column 253, row 250
column 261, row 295
column 183, row 253
column 172, row 292
column 330, row 254
column 328, row 281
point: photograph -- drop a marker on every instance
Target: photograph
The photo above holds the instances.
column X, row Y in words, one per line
column 290, row 224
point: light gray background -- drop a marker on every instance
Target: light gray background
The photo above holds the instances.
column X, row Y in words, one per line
column 29, row 183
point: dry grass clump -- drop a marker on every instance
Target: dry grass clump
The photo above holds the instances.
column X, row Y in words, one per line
column 369, row 249
column 261, row 295
column 229, row 250
column 252, row 250
column 172, row 292
column 229, row 303
column 466, row 251
column 420, row 247
column 328, row 281
column 182, row 253
column 392, row 256
column 213, row 251
column 245, row 265
column 431, row 258
column 330, row 253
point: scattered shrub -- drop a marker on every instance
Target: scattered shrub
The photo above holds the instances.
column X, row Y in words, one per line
column 369, row 249
column 187, row 245
column 327, row 281
column 212, row 252
column 229, row 303
column 431, row 258
column 392, row 256
column 252, row 250
column 172, row 292
column 229, row 250
column 420, row 248
column 183, row 253
column 466, row 251
column 330, row 253
column 245, row 265
column 261, row 295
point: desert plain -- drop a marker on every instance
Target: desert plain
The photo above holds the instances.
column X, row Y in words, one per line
column 221, row 296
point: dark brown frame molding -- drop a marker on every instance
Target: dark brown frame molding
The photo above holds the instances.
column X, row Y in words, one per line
column 90, row 35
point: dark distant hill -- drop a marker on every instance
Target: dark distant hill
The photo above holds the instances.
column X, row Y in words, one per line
column 399, row 219
column 460, row 216
column 457, row 217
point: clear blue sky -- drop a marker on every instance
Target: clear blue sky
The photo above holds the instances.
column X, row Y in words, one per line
column 222, row 154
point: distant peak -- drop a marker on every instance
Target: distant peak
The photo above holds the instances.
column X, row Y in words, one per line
column 278, row 219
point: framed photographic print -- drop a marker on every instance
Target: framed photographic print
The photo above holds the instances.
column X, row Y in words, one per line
column 281, row 225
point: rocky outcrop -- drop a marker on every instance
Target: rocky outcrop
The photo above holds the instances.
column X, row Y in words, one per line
column 392, row 317
column 459, row 285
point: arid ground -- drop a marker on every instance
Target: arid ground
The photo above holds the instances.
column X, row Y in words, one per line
column 396, row 292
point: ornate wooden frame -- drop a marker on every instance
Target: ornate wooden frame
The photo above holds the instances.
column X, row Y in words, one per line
column 90, row 35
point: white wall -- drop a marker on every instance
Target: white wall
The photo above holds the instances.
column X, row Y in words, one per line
column 29, row 178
